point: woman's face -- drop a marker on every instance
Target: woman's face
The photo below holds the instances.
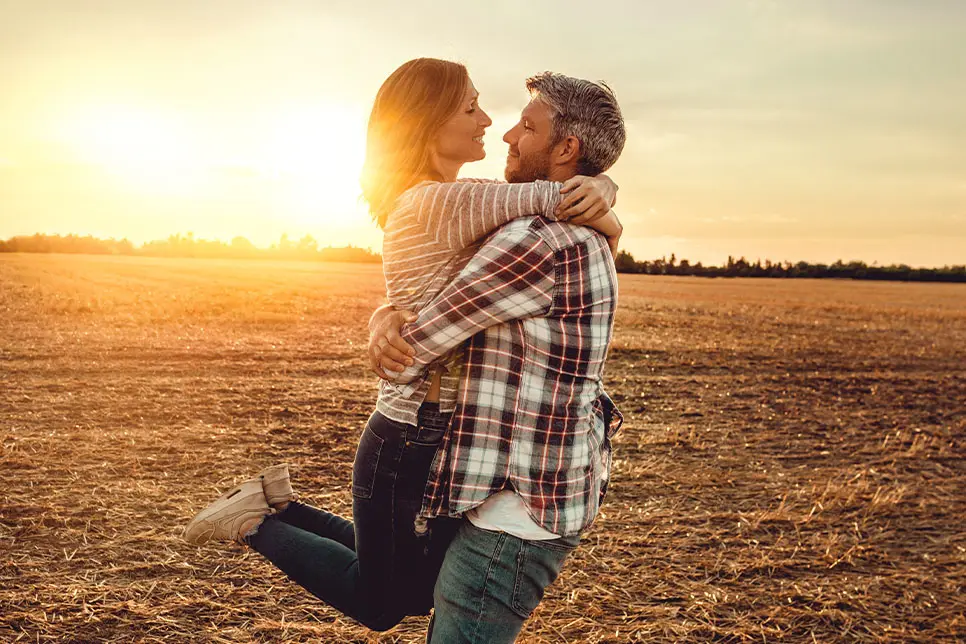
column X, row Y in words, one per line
column 460, row 140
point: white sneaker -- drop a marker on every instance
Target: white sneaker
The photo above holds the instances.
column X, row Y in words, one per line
column 225, row 518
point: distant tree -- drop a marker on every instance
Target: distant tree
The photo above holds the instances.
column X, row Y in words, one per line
column 741, row 267
column 307, row 248
column 285, row 246
column 124, row 247
column 625, row 263
column 241, row 247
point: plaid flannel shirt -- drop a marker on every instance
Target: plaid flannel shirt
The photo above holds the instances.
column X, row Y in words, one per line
column 432, row 232
column 537, row 305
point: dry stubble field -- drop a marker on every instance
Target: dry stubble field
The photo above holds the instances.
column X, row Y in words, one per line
column 791, row 468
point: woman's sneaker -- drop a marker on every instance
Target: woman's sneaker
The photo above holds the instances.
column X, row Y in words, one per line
column 277, row 486
column 231, row 516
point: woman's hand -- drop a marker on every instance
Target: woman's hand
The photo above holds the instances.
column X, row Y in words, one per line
column 586, row 198
column 613, row 242
column 387, row 350
column 610, row 227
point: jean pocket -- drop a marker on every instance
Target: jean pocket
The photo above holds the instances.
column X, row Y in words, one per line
column 537, row 568
column 366, row 463
column 429, row 435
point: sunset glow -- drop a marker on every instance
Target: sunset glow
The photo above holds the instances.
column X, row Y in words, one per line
column 789, row 131
column 312, row 155
column 148, row 152
column 315, row 156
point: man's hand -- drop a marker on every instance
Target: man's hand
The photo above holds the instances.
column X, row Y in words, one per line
column 387, row 350
column 587, row 198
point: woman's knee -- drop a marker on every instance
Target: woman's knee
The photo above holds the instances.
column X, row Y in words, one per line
column 382, row 622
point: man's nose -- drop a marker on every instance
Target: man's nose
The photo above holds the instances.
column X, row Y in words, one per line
column 508, row 138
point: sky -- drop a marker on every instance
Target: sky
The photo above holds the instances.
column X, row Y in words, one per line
column 813, row 130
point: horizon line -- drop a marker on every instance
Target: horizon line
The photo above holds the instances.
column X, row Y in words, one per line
column 295, row 248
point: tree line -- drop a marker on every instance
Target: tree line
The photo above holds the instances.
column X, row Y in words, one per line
column 306, row 248
column 741, row 267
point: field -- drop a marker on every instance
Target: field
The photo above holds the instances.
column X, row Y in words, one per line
column 791, row 467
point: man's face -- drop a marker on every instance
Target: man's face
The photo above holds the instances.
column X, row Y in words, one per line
column 529, row 141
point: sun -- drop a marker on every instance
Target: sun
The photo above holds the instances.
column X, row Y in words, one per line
column 146, row 150
column 299, row 163
column 314, row 154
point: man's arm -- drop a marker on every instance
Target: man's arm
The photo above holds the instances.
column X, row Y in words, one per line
column 511, row 277
column 387, row 350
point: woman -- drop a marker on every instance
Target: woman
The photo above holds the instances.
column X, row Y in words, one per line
column 425, row 124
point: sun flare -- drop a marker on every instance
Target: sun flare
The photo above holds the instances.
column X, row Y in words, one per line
column 147, row 151
column 314, row 155
column 305, row 161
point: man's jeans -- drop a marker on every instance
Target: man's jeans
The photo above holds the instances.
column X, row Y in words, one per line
column 490, row 583
column 376, row 569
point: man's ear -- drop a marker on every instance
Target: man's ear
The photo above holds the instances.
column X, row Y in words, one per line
column 567, row 151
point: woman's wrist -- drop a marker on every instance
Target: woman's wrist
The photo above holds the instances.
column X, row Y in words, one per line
column 610, row 187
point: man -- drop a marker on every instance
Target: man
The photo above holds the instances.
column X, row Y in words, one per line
column 527, row 457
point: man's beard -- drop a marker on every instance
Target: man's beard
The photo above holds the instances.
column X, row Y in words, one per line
column 531, row 168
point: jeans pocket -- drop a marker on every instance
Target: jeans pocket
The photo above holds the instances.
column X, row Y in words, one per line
column 429, row 435
column 366, row 463
column 537, row 568
column 430, row 427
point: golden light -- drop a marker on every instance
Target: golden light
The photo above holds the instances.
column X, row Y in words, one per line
column 149, row 152
column 314, row 154
column 299, row 164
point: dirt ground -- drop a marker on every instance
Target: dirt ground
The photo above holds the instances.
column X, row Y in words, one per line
column 791, row 468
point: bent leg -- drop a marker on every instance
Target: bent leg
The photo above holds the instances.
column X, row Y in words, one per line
column 319, row 522
column 388, row 480
column 381, row 575
column 324, row 567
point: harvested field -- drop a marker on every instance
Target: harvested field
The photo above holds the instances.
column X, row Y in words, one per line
column 791, row 467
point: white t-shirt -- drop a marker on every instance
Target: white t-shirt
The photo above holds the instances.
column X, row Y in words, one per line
column 505, row 511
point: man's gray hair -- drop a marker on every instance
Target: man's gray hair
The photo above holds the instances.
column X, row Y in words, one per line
column 585, row 110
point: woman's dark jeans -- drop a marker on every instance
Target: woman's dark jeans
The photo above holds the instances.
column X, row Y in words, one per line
column 378, row 568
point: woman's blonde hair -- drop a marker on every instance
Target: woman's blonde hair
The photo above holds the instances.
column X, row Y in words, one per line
column 410, row 107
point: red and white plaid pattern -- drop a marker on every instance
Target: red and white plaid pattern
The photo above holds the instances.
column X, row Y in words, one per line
column 537, row 305
column 432, row 232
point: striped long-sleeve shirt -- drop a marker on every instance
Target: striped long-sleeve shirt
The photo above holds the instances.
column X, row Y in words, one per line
column 432, row 232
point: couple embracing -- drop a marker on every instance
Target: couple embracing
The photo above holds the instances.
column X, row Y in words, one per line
column 488, row 452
